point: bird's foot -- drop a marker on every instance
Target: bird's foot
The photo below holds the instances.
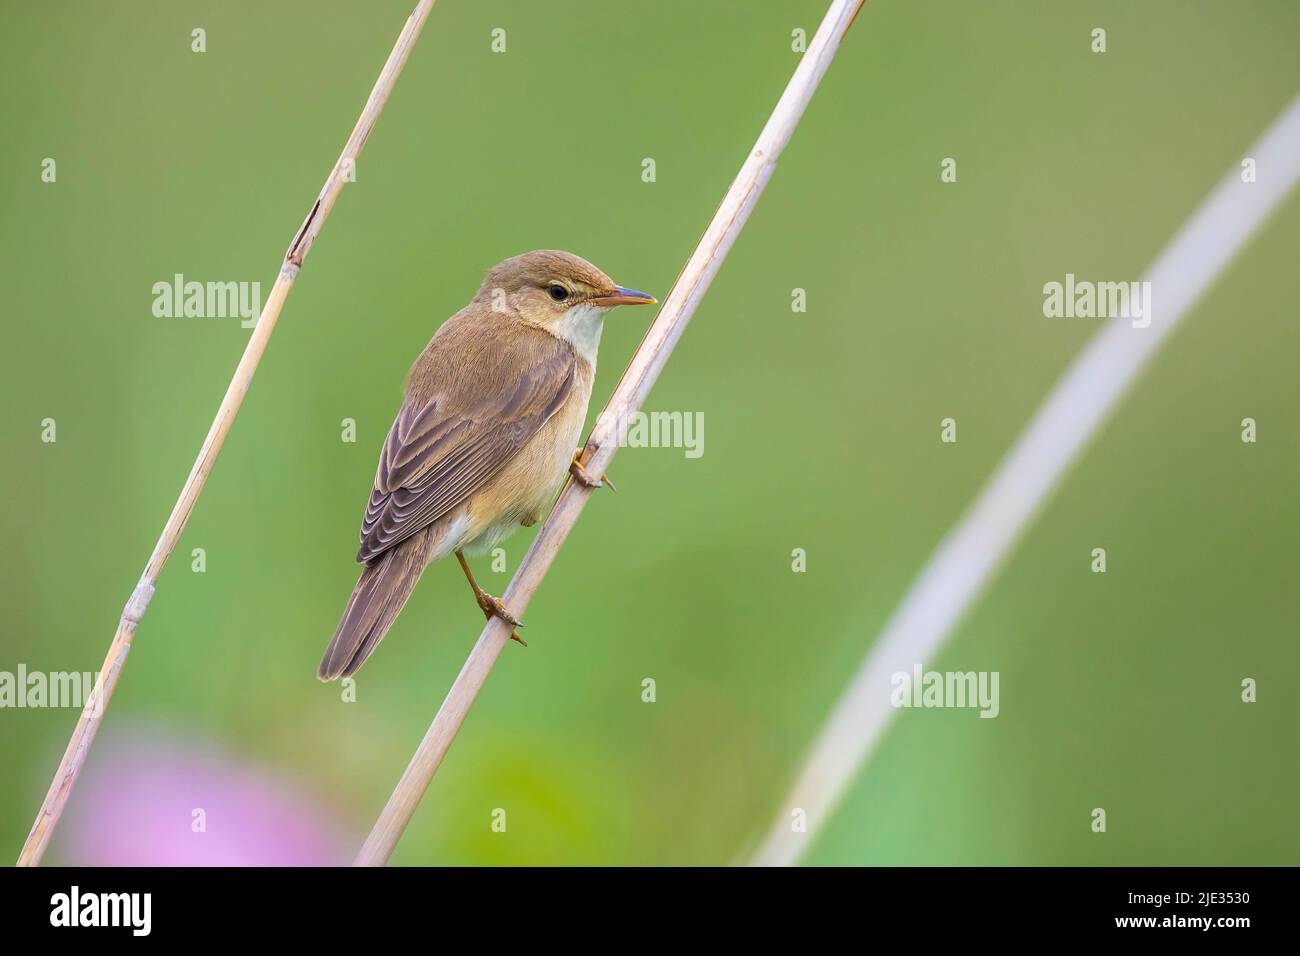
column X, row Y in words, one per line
column 492, row 607
column 583, row 477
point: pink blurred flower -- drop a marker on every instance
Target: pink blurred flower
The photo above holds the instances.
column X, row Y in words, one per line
column 149, row 800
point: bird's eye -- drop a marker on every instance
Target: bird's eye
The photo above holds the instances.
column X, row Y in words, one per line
column 557, row 292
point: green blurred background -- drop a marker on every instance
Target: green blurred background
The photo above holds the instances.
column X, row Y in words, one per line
column 822, row 429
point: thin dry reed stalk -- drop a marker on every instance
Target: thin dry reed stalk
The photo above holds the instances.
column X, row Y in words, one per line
column 1069, row 418
column 632, row 390
column 88, row 724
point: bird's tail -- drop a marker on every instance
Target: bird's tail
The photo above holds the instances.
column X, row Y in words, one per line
column 379, row 596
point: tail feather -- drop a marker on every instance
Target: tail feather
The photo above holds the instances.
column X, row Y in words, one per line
column 380, row 593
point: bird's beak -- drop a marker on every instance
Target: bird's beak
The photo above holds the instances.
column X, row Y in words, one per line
column 622, row 296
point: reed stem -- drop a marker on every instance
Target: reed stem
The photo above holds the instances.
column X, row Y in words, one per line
column 83, row 736
column 628, row 397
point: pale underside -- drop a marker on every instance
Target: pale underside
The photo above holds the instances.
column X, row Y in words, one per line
column 466, row 482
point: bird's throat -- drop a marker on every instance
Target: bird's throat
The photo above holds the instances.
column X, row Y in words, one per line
column 581, row 327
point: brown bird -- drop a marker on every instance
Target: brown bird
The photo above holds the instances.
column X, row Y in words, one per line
column 493, row 411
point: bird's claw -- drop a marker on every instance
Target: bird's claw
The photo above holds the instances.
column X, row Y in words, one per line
column 583, row 477
column 492, row 607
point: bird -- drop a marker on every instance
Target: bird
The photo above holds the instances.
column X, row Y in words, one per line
column 485, row 436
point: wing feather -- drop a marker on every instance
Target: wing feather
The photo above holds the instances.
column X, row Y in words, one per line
column 478, row 394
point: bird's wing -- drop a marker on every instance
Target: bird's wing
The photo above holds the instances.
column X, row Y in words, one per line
column 477, row 396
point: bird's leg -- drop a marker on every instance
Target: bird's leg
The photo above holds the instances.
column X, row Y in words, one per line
column 490, row 606
column 581, row 475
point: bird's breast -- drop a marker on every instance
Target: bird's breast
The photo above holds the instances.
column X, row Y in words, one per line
column 523, row 489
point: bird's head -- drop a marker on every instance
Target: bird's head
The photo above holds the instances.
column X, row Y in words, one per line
column 559, row 292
